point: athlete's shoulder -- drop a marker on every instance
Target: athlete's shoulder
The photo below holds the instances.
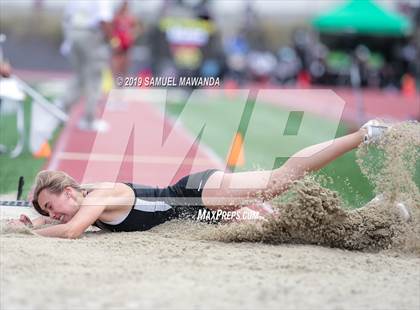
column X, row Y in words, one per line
column 102, row 185
column 110, row 193
column 106, row 188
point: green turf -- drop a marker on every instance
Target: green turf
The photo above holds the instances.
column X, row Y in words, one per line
column 344, row 171
column 24, row 165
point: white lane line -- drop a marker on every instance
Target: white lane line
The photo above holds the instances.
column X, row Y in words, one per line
column 132, row 158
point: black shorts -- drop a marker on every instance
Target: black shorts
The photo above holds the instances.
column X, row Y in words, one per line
column 155, row 205
column 186, row 192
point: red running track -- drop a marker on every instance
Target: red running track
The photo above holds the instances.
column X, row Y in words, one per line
column 117, row 155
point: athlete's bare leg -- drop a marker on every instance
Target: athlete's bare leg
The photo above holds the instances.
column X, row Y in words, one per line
column 231, row 191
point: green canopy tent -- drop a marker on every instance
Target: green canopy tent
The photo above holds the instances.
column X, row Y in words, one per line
column 363, row 17
column 361, row 22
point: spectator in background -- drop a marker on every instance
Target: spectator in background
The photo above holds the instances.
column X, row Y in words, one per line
column 125, row 30
column 88, row 35
column 5, row 69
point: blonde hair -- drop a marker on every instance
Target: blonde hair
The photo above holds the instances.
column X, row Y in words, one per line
column 55, row 182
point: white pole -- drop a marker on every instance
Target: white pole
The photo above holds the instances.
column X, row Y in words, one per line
column 39, row 99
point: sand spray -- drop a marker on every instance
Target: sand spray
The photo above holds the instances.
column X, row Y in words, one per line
column 312, row 214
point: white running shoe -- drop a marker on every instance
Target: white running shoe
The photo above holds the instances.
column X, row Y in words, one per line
column 404, row 211
column 97, row 125
column 374, row 130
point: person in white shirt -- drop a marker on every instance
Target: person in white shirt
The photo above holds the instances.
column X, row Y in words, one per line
column 88, row 36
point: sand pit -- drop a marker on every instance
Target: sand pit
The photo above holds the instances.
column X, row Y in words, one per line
column 168, row 268
column 370, row 257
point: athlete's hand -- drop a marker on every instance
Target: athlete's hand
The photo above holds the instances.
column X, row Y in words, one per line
column 15, row 223
column 25, row 220
column 22, row 221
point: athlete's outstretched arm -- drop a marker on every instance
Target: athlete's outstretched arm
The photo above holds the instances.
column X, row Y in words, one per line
column 90, row 210
column 233, row 190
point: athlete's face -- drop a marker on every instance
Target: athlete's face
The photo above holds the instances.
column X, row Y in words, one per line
column 61, row 207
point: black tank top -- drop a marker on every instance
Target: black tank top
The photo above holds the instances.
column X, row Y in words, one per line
column 147, row 211
column 154, row 206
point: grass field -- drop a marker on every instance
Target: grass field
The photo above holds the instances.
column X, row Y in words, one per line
column 344, row 171
column 25, row 165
